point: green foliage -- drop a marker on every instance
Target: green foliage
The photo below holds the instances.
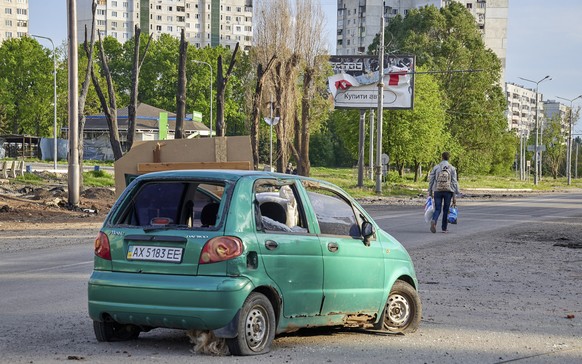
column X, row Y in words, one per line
column 555, row 142
column 447, row 40
column 418, row 136
column 26, row 81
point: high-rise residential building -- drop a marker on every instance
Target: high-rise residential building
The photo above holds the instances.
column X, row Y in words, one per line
column 13, row 19
column 554, row 109
column 358, row 21
column 205, row 22
column 521, row 116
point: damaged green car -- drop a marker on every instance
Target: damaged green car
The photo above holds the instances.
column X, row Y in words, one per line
column 248, row 255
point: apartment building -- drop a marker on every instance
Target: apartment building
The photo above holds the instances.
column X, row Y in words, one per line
column 553, row 108
column 13, row 19
column 358, row 21
column 521, row 116
column 205, row 22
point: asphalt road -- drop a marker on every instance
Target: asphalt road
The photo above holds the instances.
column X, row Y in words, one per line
column 484, row 302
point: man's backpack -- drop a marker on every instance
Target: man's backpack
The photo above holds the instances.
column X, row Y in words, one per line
column 443, row 179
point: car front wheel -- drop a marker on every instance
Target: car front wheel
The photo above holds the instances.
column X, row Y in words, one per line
column 113, row 331
column 403, row 309
column 256, row 327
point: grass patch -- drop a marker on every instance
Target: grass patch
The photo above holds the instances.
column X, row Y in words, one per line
column 98, row 179
column 395, row 185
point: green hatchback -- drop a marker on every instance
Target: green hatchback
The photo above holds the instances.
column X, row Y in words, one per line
column 248, row 255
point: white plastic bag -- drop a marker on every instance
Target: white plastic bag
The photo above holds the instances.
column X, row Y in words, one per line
column 428, row 210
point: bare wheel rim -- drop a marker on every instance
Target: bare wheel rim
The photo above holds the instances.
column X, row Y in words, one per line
column 257, row 328
column 398, row 311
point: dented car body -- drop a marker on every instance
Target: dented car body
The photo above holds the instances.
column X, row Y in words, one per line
column 248, row 255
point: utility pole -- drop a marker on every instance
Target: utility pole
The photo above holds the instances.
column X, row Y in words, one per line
column 74, row 174
column 380, row 108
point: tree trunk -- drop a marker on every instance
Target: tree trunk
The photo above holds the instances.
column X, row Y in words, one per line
column 255, row 116
column 134, row 91
column 304, row 166
column 181, row 93
column 109, row 108
column 221, row 81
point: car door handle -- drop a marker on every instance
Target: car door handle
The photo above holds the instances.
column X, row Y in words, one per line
column 271, row 244
column 332, row 247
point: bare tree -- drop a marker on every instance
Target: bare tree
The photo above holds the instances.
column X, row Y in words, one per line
column 310, row 25
column 255, row 114
column 221, row 81
column 133, row 94
column 274, row 37
column 181, row 92
column 109, row 105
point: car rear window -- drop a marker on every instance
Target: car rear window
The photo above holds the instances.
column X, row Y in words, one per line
column 187, row 204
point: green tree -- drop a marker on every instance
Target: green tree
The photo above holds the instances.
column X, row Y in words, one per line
column 26, row 77
column 448, row 41
column 415, row 137
column 554, row 139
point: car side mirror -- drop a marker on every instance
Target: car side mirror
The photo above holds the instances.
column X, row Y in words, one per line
column 367, row 232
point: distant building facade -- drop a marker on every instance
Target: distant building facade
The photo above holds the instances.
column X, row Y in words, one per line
column 521, row 115
column 13, row 19
column 205, row 22
column 358, row 21
column 554, row 108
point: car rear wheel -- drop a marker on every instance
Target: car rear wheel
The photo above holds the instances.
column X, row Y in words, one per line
column 255, row 327
column 403, row 309
column 113, row 331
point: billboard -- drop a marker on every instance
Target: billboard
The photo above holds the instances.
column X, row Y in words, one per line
column 354, row 84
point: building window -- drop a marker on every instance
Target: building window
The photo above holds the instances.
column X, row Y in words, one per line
column 114, row 13
column 7, row 11
column 469, row 6
column 8, row 23
column 21, row 11
column 114, row 3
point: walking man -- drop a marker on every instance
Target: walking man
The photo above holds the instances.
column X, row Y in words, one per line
column 443, row 188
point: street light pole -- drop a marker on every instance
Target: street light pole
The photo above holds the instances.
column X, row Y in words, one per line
column 569, row 151
column 55, row 98
column 208, row 64
column 536, row 155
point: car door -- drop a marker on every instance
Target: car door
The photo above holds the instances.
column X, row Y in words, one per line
column 353, row 278
column 290, row 251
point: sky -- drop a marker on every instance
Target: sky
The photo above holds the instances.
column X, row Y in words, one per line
column 543, row 38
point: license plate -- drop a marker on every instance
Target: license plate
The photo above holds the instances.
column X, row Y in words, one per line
column 155, row 253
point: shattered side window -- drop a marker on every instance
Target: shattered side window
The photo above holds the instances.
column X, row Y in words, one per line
column 335, row 215
column 279, row 208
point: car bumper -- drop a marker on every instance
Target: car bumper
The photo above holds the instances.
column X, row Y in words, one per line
column 180, row 302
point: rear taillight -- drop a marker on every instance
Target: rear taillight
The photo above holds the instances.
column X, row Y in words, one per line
column 221, row 248
column 102, row 249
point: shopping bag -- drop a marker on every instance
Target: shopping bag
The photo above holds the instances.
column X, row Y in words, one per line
column 428, row 210
column 453, row 214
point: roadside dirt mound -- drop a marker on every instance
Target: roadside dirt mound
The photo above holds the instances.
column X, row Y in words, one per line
column 22, row 204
